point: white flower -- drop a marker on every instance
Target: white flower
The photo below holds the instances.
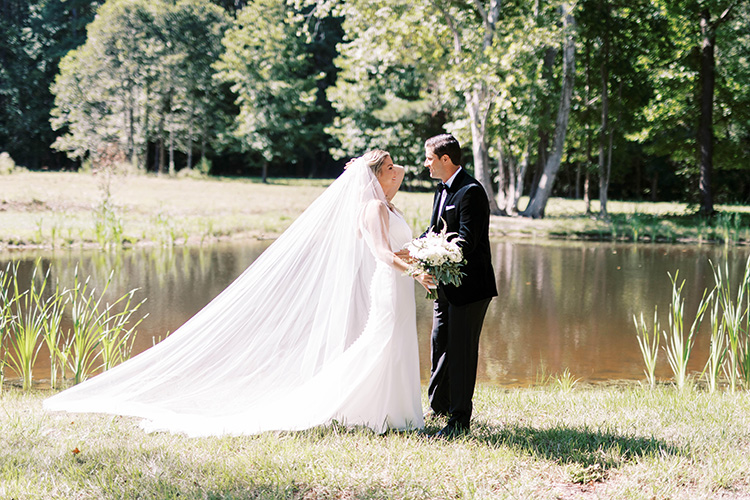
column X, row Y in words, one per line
column 438, row 255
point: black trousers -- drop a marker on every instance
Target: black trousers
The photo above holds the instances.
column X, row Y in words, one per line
column 455, row 353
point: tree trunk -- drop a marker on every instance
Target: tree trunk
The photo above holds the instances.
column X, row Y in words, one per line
column 478, row 106
column 264, row 175
column 190, row 142
column 146, row 114
column 162, row 156
column 587, row 131
column 705, row 122
column 604, row 132
column 131, row 126
column 171, row 151
column 503, row 180
column 543, row 146
column 518, row 190
column 586, row 190
column 478, row 100
column 538, row 203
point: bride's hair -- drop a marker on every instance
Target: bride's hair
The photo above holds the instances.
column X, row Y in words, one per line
column 374, row 159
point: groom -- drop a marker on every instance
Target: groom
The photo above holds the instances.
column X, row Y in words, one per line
column 462, row 206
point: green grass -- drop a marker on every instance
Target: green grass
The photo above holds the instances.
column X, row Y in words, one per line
column 619, row 442
column 59, row 209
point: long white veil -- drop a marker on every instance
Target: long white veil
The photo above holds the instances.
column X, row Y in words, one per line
column 294, row 310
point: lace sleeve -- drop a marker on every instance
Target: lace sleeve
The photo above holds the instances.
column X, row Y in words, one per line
column 376, row 230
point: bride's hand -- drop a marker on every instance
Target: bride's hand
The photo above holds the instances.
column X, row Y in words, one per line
column 426, row 280
column 404, row 255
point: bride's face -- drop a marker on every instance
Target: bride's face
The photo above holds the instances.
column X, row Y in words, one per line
column 390, row 177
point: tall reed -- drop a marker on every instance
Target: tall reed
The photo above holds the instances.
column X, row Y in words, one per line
column 679, row 346
column 80, row 349
column 100, row 337
column 717, row 348
column 736, row 324
column 6, row 304
column 26, row 325
column 108, row 226
column 52, row 333
column 117, row 338
column 649, row 345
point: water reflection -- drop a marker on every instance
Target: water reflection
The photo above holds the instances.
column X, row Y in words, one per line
column 566, row 305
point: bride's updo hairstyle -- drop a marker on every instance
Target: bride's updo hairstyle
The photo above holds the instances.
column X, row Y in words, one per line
column 374, row 159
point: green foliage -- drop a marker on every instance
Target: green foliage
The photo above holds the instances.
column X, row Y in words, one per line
column 35, row 34
column 144, row 75
column 272, row 73
column 389, row 93
column 670, row 120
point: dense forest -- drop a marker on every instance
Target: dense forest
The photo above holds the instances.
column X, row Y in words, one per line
column 592, row 99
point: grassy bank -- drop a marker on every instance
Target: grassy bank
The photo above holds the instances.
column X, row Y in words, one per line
column 46, row 209
column 621, row 442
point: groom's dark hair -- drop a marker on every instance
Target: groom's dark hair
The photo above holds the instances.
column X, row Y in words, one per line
column 445, row 144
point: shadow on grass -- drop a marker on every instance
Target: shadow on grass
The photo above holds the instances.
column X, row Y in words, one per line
column 595, row 452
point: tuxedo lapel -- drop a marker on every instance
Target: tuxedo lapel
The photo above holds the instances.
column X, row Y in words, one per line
column 435, row 208
column 450, row 200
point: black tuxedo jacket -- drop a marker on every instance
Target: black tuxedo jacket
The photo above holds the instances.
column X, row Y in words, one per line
column 467, row 213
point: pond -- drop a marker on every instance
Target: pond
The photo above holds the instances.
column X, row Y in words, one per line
column 560, row 305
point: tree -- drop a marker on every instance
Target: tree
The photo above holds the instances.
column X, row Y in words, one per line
column 274, row 80
column 143, row 76
column 685, row 104
column 35, row 34
column 543, row 190
column 620, row 40
column 521, row 58
column 388, row 93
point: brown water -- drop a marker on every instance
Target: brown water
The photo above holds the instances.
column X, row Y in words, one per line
column 561, row 305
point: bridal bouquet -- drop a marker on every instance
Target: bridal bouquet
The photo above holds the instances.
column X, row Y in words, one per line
column 439, row 255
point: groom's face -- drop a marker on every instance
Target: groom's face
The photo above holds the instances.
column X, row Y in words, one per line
column 437, row 166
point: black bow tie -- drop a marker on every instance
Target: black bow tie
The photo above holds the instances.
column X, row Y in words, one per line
column 442, row 187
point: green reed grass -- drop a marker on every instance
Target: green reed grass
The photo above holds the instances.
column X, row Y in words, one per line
column 729, row 343
column 102, row 333
column 717, row 353
column 108, row 225
column 88, row 326
column 28, row 310
column 735, row 322
column 52, row 332
column 6, row 304
column 565, row 382
column 679, row 343
column 119, row 333
column 101, row 336
column 648, row 342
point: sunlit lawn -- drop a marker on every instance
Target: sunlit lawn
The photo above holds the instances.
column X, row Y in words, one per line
column 621, row 442
column 59, row 209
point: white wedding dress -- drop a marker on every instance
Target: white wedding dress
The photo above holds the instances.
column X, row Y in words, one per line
column 321, row 328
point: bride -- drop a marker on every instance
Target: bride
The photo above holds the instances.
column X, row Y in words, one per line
column 320, row 328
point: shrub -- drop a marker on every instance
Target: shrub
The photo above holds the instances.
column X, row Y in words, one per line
column 7, row 165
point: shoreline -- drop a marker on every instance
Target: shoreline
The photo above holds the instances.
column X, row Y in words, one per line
column 50, row 210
